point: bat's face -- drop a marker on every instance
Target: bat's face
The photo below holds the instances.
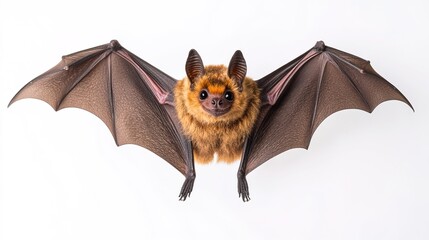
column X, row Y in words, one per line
column 215, row 96
column 215, row 93
column 216, row 104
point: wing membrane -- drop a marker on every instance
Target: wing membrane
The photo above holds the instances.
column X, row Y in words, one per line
column 300, row 95
column 133, row 98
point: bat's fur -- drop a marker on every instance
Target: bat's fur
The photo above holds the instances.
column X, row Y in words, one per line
column 225, row 134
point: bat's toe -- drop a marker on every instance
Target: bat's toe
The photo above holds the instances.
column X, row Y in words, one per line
column 187, row 187
column 243, row 188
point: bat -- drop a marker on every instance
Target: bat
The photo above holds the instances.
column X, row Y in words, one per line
column 214, row 109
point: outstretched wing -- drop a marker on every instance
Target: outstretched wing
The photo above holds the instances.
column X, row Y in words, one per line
column 133, row 98
column 298, row 96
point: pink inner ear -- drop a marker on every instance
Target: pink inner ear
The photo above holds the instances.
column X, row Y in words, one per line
column 194, row 65
column 237, row 68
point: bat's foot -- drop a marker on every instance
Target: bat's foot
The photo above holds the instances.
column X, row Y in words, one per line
column 187, row 187
column 243, row 187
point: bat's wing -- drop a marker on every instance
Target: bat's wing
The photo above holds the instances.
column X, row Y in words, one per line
column 298, row 96
column 133, row 98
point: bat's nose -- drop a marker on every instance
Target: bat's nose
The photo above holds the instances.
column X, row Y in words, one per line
column 217, row 102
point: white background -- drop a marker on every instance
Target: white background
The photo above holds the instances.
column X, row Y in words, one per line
column 365, row 176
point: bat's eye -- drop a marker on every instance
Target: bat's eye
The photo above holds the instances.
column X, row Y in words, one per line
column 203, row 94
column 229, row 96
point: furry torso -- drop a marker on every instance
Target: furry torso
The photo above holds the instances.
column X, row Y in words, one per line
column 224, row 135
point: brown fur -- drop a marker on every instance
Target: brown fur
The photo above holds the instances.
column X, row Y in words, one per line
column 225, row 134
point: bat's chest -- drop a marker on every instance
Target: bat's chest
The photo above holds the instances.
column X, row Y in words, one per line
column 226, row 141
column 220, row 137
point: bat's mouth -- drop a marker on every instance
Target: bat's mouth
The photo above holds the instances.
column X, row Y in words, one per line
column 216, row 112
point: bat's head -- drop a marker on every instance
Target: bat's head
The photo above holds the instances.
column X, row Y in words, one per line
column 216, row 93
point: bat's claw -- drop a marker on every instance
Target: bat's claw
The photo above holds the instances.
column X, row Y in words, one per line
column 114, row 44
column 320, row 46
column 187, row 187
column 243, row 187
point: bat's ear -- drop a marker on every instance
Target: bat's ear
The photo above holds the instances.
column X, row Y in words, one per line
column 194, row 66
column 237, row 69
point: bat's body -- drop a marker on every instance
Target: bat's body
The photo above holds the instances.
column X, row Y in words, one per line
column 217, row 132
column 214, row 109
